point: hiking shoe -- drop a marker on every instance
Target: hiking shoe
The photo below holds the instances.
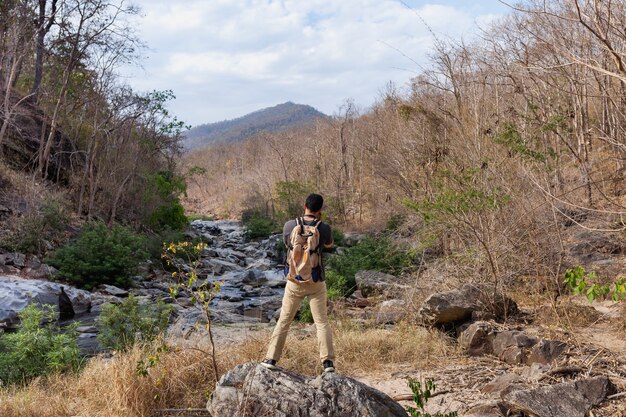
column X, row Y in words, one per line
column 328, row 366
column 269, row 364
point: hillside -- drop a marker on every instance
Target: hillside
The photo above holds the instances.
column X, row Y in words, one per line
column 272, row 119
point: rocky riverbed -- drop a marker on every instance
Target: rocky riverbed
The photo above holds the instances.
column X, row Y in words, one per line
column 250, row 276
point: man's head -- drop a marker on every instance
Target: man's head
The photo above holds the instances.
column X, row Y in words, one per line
column 314, row 203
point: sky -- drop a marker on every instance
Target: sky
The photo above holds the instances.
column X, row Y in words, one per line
column 226, row 58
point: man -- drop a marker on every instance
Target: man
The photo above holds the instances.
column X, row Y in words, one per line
column 298, row 287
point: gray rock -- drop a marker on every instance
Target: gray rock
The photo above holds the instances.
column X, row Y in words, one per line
column 373, row 283
column 15, row 259
column 512, row 346
column 477, row 338
column 457, row 305
column 253, row 390
column 254, row 277
column 571, row 399
column 493, row 409
column 17, row 293
column 391, row 311
column 546, row 351
column 502, row 384
column 87, row 329
column 112, row 290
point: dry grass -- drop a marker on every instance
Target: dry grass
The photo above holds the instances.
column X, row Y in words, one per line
column 183, row 377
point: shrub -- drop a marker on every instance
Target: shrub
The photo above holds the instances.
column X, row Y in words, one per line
column 163, row 196
column 421, row 395
column 304, row 314
column 259, row 226
column 123, row 325
column 338, row 237
column 378, row 254
column 36, row 349
column 170, row 216
column 32, row 231
column 100, row 256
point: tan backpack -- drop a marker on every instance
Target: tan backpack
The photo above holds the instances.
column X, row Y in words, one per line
column 303, row 255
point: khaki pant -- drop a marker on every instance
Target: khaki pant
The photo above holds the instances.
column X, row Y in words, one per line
column 294, row 294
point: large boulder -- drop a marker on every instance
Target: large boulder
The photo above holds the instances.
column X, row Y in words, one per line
column 571, row 399
column 251, row 390
column 378, row 283
column 459, row 305
column 17, row 293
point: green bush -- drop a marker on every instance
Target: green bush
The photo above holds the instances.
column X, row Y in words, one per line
column 169, row 216
column 100, row 256
column 163, row 196
column 378, row 254
column 338, row 237
column 305, row 315
column 259, row 226
column 123, row 325
column 37, row 349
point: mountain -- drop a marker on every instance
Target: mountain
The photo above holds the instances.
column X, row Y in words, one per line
column 272, row 119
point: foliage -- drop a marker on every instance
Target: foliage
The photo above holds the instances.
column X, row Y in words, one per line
column 259, row 226
column 339, row 237
column 123, row 325
column 581, row 282
column 510, row 137
column 457, row 194
column 32, row 231
column 36, row 349
column 305, row 315
column 372, row 253
column 290, row 198
column 421, row 395
column 100, row 256
column 186, row 279
column 169, row 214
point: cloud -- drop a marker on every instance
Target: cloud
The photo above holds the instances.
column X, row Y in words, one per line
column 224, row 58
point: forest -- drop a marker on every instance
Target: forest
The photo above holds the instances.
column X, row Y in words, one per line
column 138, row 278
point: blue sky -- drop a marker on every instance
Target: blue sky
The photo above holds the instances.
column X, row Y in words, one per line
column 226, row 58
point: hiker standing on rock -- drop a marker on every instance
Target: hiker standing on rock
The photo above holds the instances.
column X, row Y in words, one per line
column 305, row 237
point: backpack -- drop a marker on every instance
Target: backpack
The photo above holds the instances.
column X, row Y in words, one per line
column 303, row 255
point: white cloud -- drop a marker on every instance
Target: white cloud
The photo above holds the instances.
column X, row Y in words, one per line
column 224, row 58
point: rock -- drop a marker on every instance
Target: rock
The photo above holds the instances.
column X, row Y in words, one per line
column 111, row 290
column 87, row 329
column 373, row 283
column 17, row 293
column 546, row 351
column 477, row 338
column 535, row 371
column 486, row 410
column 502, row 384
column 571, row 399
column 391, row 311
column 15, row 259
column 253, row 390
column 455, row 306
column 254, row 277
column 88, row 344
column 512, row 346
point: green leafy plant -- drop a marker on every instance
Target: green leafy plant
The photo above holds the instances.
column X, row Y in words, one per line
column 39, row 347
column 126, row 324
column 100, row 256
column 259, row 226
column 185, row 278
column 378, row 254
column 339, row 237
column 166, row 187
column 421, row 394
column 582, row 282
